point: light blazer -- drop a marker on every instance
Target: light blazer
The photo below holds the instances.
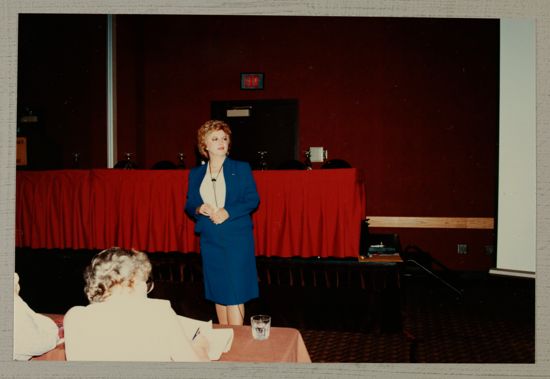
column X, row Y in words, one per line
column 126, row 329
column 241, row 196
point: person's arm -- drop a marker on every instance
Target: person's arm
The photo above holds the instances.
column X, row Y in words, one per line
column 200, row 345
column 183, row 347
column 34, row 334
column 249, row 199
column 193, row 202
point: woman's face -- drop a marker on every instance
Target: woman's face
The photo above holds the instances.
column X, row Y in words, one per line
column 217, row 143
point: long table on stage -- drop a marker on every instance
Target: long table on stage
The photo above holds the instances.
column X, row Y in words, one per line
column 283, row 345
column 314, row 213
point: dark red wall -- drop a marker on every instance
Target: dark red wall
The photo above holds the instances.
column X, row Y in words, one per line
column 62, row 67
column 411, row 102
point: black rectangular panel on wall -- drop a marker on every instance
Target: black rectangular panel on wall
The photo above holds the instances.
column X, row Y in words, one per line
column 261, row 125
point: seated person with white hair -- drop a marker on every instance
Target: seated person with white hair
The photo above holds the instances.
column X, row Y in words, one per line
column 121, row 323
column 33, row 333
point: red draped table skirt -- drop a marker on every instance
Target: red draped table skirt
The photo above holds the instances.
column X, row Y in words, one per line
column 301, row 213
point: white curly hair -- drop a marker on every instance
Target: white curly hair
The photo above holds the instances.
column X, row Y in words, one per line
column 115, row 267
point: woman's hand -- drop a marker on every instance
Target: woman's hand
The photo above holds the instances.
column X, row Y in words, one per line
column 219, row 216
column 205, row 210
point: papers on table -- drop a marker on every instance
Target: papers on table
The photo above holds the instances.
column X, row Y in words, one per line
column 219, row 340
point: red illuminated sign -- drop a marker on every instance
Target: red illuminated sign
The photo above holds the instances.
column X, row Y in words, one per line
column 252, row 80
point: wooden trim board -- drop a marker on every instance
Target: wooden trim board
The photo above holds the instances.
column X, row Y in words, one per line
column 431, row 222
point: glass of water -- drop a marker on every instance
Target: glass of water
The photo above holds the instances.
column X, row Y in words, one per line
column 261, row 325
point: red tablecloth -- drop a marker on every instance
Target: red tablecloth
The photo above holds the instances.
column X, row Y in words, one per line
column 301, row 213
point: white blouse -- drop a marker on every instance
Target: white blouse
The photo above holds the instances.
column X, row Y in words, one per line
column 213, row 192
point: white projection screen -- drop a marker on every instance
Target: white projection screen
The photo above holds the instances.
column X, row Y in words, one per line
column 516, row 220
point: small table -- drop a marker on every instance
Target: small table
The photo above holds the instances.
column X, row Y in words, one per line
column 283, row 345
column 389, row 299
column 381, row 258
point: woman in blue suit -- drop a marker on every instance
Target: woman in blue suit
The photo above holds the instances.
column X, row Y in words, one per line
column 220, row 197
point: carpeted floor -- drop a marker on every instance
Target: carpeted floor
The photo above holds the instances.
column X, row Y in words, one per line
column 493, row 322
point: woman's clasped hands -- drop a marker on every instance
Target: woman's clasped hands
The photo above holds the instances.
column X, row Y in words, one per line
column 217, row 216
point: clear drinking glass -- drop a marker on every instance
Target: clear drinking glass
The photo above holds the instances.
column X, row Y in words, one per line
column 261, row 326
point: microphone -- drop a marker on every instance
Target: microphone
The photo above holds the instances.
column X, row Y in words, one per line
column 213, row 179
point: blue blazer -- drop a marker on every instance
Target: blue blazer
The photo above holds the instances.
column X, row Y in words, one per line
column 241, row 196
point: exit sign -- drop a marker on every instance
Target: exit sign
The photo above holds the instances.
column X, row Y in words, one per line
column 252, row 80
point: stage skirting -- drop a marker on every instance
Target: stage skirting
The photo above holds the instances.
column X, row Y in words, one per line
column 301, row 213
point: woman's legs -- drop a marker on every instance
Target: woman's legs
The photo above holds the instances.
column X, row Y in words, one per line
column 221, row 311
column 230, row 314
column 235, row 314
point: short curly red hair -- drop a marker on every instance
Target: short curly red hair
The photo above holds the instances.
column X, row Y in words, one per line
column 209, row 127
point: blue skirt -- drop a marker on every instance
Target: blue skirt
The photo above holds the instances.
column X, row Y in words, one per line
column 229, row 264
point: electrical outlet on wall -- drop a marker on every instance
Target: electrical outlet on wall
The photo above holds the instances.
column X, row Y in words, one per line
column 489, row 249
column 462, row 248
